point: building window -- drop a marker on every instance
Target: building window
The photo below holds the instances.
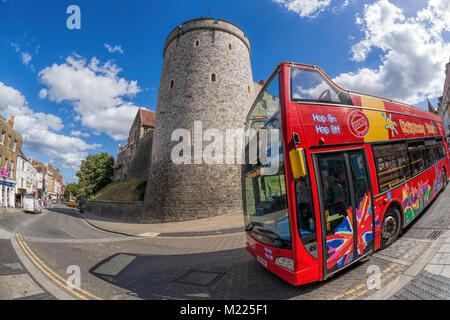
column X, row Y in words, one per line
column 15, row 146
column 3, row 138
column 249, row 89
column 230, row 46
column 172, row 83
column 213, row 77
column 197, row 43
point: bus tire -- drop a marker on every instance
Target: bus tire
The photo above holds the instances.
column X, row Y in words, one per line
column 390, row 227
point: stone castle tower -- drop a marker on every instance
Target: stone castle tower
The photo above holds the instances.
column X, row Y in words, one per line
column 206, row 76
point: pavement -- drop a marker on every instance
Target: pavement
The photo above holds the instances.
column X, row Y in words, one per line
column 224, row 224
column 202, row 259
column 421, row 258
column 16, row 281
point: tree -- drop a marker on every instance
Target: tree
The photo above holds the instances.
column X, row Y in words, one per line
column 71, row 189
column 95, row 172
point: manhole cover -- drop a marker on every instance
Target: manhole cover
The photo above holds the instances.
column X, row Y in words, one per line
column 200, row 278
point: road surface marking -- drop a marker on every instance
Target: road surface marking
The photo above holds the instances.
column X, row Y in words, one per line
column 149, row 234
column 42, row 266
column 362, row 285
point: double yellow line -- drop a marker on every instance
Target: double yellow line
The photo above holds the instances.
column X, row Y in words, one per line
column 77, row 292
column 362, row 285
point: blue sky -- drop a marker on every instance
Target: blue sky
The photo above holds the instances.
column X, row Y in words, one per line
column 72, row 96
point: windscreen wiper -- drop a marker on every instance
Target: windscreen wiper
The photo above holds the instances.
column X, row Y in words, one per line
column 277, row 241
column 252, row 224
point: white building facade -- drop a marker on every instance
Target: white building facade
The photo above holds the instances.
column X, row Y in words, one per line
column 26, row 178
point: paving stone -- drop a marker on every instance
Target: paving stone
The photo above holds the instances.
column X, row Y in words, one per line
column 436, row 258
column 20, row 285
column 445, row 258
column 434, row 268
column 5, row 234
column 445, row 248
column 426, row 286
column 446, row 271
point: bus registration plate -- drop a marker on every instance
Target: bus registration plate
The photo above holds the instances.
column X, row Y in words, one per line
column 262, row 261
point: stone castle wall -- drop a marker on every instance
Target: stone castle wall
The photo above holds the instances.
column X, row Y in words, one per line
column 186, row 94
column 139, row 164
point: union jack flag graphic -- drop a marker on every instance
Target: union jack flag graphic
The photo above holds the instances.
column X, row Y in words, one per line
column 340, row 244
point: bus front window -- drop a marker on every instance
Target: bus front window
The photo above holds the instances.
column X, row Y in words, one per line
column 310, row 85
column 265, row 200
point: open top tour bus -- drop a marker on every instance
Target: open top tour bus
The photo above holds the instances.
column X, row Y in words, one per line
column 347, row 173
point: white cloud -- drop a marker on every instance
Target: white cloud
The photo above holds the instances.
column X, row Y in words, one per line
column 26, row 58
column 15, row 46
column 38, row 130
column 43, row 93
column 114, row 49
column 305, row 8
column 96, row 92
column 414, row 52
column 78, row 133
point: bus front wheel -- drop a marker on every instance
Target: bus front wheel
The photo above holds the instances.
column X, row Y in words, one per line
column 390, row 227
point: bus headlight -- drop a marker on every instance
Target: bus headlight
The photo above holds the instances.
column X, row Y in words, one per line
column 285, row 263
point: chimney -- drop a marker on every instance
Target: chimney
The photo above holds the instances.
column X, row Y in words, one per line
column 261, row 82
column 11, row 122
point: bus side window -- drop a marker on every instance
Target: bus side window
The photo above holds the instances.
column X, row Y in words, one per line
column 306, row 221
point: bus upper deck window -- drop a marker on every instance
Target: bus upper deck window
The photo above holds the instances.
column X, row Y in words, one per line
column 310, row 85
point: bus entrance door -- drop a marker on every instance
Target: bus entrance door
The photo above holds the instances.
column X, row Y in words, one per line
column 347, row 217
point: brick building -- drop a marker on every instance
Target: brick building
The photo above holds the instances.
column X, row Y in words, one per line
column 54, row 183
column 10, row 147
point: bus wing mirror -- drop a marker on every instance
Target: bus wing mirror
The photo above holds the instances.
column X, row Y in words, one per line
column 297, row 163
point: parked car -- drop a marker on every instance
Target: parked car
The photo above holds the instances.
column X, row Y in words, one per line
column 31, row 204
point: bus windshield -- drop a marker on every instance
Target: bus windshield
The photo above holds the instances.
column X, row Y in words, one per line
column 265, row 200
column 310, row 85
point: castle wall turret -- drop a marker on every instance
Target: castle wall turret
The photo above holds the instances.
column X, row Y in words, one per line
column 207, row 77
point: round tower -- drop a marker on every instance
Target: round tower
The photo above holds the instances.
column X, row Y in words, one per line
column 206, row 78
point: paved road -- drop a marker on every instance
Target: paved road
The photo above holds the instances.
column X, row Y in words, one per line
column 58, row 223
column 209, row 267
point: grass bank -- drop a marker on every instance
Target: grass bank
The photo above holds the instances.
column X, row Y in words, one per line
column 122, row 191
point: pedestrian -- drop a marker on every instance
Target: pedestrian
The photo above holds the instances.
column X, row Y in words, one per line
column 82, row 205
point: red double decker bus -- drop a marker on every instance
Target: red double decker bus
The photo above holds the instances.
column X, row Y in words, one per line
column 349, row 172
